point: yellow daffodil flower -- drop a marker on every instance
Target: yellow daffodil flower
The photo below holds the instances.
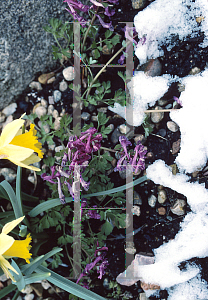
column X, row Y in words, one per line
column 9, row 247
column 19, row 148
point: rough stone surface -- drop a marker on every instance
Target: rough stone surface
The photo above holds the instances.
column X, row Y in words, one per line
column 25, row 48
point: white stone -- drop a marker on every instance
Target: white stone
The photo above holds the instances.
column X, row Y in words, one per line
column 162, row 196
column 57, row 96
column 46, row 127
column 8, row 174
column 40, row 111
column 44, row 103
column 55, row 114
column 68, row 73
column 152, row 200
column 8, row 120
column 59, row 148
column 35, row 85
column 31, row 179
column 57, row 123
column 50, row 109
column 10, row 109
column 124, row 128
column 63, row 86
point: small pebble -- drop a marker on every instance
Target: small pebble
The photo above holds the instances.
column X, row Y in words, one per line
column 106, row 51
column 156, row 117
column 162, row 102
column 169, row 106
column 162, row 196
column 29, row 297
column 57, row 96
column 152, row 200
column 35, row 85
column 91, row 107
column 8, row 174
column 45, row 284
column 124, row 128
column 51, row 80
column 137, row 199
column 51, row 100
column 43, row 79
column 46, row 127
column 161, row 211
column 31, row 179
column 194, row 71
column 59, row 148
column 40, row 111
column 130, row 248
column 178, row 207
column 10, row 109
column 50, row 109
column 140, row 138
column 115, row 136
column 154, row 67
column 136, row 210
column 44, row 103
column 63, row 86
column 142, row 296
column 162, row 132
column 85, row 116
column 68, row 73
column 176, row 146
column 27, row 289
column 94, row 118
column 106, row 283
column 57, row 124
column 172, row 126
column 102, row 109
column 55, row 114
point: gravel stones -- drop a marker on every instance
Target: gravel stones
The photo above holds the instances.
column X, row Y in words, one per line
column 10, row 109
column 153, row 68
column 124, row 128
column 162, row 196
column 57, row 96
column 152, row 200
column 43, row 78
column 172, row 126
column 85, row 116
column 63, row 86
column 40, row 111
column 35, row 85
column 68, row 73
column 156, row 117
column 179, row 207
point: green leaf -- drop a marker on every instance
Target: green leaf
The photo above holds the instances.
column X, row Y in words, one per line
column 69, row 286
column 20, row 282
column 10, row 288
column 96, row 53
column 108, row 33
column 115, row 40
column 102, row 119
column 107, row 228
column 36, row 277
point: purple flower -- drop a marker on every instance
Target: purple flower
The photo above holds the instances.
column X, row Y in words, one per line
column 61, row 195
column 105, row 25
column 127, row 30
column 121, row 59
column 97, row 3
column 77, row 5
column 124, row 143
column 177, row 100
column 93, row 213
column 84, row 183
column 50, row 178
column 114, row 1
column 108, row 12
column 102, row 266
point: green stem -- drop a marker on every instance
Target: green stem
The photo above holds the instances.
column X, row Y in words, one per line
column 16, row 295
column 103, row 68
column 88, row 29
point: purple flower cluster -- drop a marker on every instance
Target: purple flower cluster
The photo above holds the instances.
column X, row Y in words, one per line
column 75, row 6
column 76, row 160
column 91, row 213
column 137, row 161
column 127, row 30
column 98, row 258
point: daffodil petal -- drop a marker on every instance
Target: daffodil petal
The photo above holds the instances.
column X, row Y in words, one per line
column 5, row 265
column 29, row 140
column 6, row 242
column 11, row 225
column 20, row 248
column 16, row 152
column 9, row 132
column 24, row 164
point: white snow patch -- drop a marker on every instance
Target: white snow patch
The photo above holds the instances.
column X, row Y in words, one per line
column 160, row 21
column 143, row 90
column 192, row 120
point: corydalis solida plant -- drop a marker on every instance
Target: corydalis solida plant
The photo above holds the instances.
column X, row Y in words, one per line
column 76, row 159
column 76, row 6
